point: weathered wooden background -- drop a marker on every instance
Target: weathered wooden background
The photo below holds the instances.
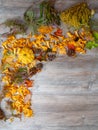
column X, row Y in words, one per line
column 65, row 94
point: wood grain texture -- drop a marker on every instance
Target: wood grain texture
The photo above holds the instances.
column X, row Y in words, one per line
column 65, row 93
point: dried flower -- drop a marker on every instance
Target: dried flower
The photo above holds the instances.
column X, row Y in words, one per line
column 25, row 55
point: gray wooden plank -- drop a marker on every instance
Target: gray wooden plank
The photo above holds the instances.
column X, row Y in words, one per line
column 71, row 128
column 42, row 103
column 18, row 3
column 65, row 64
column 59, row 128
column 69, row 76
column 82, row 99
column 63, row 107
column 67, row 119
column 62, row 5
column 7, row 13
column 72, row 119
column 65, row 93
column 61, row 86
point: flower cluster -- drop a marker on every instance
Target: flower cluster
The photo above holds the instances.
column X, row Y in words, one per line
column 22, row 58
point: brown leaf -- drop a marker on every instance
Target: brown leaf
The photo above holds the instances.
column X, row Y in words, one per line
column 2, row 115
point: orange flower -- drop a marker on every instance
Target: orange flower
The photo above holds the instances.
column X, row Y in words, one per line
column 45, row 29
column 28, row 83
column 58, row 32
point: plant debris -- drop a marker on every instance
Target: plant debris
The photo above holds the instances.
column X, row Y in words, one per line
column 93, row 43
column 17, row 26
column 77, row 15
column 23, row 57
column 48, row 15
column 2, row 115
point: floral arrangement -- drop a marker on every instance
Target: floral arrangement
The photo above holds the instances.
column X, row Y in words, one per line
column 23, row 57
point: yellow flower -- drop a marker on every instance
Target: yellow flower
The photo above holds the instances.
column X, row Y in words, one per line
column 22, row 90
column 8, row 95
column 54, row 49
column 80, row 50
column 27, row 112
column 45, row 29
column 62, row 50
column 6, row 79
column 17, row 97
column 8, row 43
column 25, row 55
column 38, row 37
column 18, row 106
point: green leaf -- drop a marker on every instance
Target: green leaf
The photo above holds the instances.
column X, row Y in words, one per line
column 22, row 69
column 95, row 34
column 91, row 44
